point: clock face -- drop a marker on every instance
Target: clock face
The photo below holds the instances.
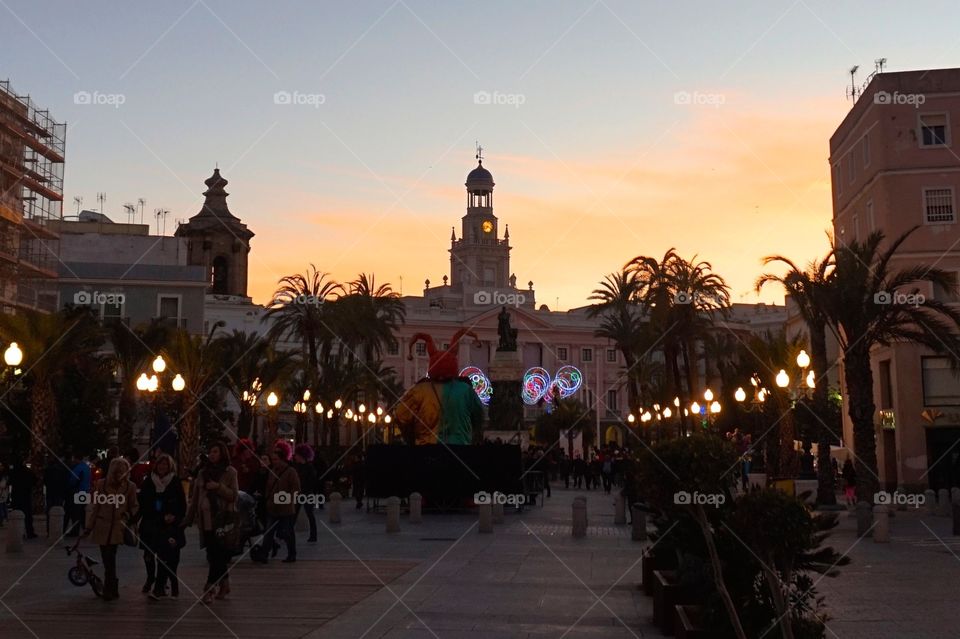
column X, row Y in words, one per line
column 487, row 226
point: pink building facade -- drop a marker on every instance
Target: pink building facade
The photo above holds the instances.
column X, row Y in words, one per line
column 895, row 165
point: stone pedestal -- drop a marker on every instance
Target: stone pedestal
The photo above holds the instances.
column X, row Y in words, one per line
column 506, row 406
column 579, row 517
column 393, row 515
column 15, row 531
column 638, row 521
column 930, row 501
column 620, row 510
column 336, row 500
column 416, row 508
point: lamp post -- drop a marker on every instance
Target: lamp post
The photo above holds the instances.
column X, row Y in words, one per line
column 13, row 357
column 273, row 400
column 152, row 385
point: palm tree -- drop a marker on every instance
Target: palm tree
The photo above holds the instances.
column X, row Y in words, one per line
column 300, row 312
column 869, row 307
column 248, row 360
column 808, row 288
column 51, row 344
column 132, row 349
column 621, row 323
column 371, row 316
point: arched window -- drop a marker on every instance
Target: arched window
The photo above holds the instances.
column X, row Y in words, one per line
column 218, row 275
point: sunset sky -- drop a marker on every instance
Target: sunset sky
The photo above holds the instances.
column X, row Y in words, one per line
column 594, row 160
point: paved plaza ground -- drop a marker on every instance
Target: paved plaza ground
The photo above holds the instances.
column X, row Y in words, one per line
column 442, row 578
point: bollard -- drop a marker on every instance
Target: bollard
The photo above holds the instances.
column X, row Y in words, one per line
column 956, row 513
column 930, row 499
column 881, row 531
column 486, row 518
column 954, row 495
column 498, row 513
column 301, row 524
column 416, row 508
column 55, row 524
column 336, row 499
column 579, row 517
column 638, row 519
column 15, row 529
column 620, row 510
column 864, row 519
column 393, row 515
column 943, row 503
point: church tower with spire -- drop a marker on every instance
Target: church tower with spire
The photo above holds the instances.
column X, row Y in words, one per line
column 218, row 240
column 480, row 258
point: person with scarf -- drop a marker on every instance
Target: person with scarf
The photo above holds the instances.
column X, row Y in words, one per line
column 282, row 491
column 111, row 508
column 214, row 491
column 162, row 508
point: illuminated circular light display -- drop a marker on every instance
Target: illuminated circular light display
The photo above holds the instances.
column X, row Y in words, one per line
column 569, row 378
column 481, row 384
column 537, row 384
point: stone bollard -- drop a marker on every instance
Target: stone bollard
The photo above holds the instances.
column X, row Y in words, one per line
column 864, row 519
column 15, row 527
column 336, row 499
column 930, row 499
column 416, row 508
column 881, row 531
column 580, row 517
column 486, row 518
column 954, row 495
column 620, row 510
column 639, row 522
column 498, row 513
column 393, row 514
column 943, row 503
column 55, row 523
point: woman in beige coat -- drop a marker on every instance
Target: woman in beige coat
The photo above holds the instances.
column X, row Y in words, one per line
column 213, row 491
column 110, row 509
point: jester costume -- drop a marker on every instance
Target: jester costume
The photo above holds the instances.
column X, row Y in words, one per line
column 442, row 407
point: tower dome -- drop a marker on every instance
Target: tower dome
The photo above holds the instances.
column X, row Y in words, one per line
column 479, row 179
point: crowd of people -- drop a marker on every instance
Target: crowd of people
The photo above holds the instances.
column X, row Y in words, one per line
column 604, row 467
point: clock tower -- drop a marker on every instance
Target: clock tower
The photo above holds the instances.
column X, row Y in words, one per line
column 480, row 258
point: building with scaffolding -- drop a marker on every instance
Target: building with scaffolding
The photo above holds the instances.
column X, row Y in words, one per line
column 31, row 196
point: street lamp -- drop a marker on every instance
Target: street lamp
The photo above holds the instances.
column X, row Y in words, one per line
column 13, row 356
column 782, row 379
column 803, row 360
column 178, row 383
column 272, row 401
column 159, row 365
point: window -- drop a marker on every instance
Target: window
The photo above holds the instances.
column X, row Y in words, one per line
column 612, row 400
column 562, row 353
column 168, row 307
column 586, row 355
column 938, row 205
column 611, row 355
column 393, row 348
column 933, row 129
column 941, row 385
column 856, row 227
column 871, row 222
column 866, row 150
column 851, row 167
column 112, row 310
column 219, row 275
column 421, row 349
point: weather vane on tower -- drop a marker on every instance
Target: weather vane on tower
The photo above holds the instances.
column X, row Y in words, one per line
column 479, row 153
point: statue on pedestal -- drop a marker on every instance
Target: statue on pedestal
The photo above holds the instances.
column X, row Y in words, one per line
column 508, row 335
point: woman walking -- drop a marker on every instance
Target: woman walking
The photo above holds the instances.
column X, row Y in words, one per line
column 849, row 474
column 112, row 507
column 303, row 460
column 214, row 492
column 162, row 508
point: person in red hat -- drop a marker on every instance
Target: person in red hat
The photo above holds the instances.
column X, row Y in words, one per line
column 442, row 407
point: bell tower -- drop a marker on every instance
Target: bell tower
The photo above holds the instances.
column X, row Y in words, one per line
column 480, row 257
column 218, row 240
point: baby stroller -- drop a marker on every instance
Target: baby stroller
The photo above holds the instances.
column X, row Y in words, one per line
column 82, row 573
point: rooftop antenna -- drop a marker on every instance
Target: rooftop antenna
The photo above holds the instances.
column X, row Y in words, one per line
column 140, row 204
column 101, row 201
column 853, row 92
column 161, row 215
column 479, row 153
column 879, row 63
column 131, row 211
column 79, row 202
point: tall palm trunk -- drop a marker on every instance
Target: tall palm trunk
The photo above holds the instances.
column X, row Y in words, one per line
column 826, row 490
column 189, row 439
column 43, row 419
column 632, row 394
column 244, row 420
column 859, row 379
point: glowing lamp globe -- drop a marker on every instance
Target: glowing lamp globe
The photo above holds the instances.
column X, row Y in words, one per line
column 803, row 360
column 142, row 382
column 811, row 380
column 740, row 395
column 783, row 380
column 272, row 399
column 13, row 355
column 708, row 395
column 178, row 383
column 159, row 365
